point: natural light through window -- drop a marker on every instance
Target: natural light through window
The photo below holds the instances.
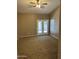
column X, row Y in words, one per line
column 52, row 25
column 45, row 26
column 39, row 26
column 42, row 26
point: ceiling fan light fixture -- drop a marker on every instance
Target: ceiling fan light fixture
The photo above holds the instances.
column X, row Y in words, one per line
column 38, row 6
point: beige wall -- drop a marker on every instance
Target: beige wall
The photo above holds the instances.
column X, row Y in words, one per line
column 27, row 23
column 56, row 16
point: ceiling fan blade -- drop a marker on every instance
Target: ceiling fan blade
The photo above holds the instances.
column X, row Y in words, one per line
column 42, row 7
column 34, row 6
column 30, row 6
column 32, row 3
column 44, row 3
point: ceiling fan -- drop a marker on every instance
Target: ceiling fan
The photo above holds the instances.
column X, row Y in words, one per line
column 38, row 4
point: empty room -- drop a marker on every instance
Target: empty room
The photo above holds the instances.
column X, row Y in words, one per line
column 38, row 29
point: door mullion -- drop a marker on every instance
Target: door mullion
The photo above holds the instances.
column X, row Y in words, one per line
column 42, row 26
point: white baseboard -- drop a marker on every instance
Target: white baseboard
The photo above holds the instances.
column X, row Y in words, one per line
column 31, row 35
column 54, row 36
column 36, row 35
column 26, row 36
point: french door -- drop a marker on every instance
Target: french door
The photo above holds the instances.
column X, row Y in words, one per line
column 42, row 27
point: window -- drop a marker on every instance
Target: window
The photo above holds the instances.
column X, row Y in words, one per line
column 52, row 25
column 42, row 26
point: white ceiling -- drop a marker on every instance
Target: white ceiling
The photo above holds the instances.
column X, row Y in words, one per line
column 22, row 6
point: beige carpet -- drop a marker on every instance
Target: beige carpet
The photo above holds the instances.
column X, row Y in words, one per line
column 40, row 47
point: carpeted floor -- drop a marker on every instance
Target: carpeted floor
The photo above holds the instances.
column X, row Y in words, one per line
column 40, row 47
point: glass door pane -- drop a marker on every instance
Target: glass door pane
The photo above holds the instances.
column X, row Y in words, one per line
column 39, row 27
column 45, row 26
